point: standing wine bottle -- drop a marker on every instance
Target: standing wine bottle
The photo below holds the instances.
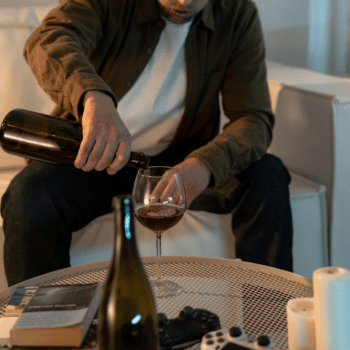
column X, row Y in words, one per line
column 42, row 137
column 127, row 314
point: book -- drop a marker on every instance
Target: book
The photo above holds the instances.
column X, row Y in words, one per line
column 57, row 316
column 6, row 324
column 19, row 299
column 89, row 342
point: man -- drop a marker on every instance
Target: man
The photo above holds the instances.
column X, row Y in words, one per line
column 146, row 75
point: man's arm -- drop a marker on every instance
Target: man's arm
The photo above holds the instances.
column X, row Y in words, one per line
column 246, row 102
column 57, row 53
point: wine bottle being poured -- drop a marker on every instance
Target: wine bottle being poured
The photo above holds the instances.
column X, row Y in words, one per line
column 42, row 137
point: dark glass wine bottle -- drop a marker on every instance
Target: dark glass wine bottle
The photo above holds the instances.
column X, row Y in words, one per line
column 42, row 137
column 127, row 314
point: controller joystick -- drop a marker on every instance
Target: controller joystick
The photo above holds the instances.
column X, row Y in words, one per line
column 263, row 340
column 235, row 332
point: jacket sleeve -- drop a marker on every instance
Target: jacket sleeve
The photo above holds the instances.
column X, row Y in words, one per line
column 57, row 52
column 246, row 102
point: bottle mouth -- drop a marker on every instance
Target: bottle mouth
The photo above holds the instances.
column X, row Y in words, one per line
column 2, row 131
column 3, row 126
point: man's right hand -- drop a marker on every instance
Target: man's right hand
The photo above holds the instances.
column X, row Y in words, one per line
column 106, row 141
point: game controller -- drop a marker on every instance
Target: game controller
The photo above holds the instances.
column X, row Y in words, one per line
column 233, row 339
column 187, row 329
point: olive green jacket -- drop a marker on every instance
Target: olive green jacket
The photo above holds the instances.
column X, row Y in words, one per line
column 104, row 45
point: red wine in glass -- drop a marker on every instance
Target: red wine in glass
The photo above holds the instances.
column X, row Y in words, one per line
column 159, row 204
column 159, row 217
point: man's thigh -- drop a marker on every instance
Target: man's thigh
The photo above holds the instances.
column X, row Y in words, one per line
column 266, row 175
column 80, row 196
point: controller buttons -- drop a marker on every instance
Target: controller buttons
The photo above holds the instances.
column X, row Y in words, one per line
column 235, row 332
column 263, row 340
column 210, row 342
column 221, row 340
column 208, row 336
column 219, row 334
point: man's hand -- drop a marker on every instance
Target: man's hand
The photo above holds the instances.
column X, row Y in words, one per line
column 195, row 176
column 106, row 141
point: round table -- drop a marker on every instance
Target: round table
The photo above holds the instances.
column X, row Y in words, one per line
column 242, row 294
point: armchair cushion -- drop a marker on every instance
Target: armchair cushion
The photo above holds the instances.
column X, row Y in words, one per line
column 18, row 88
column 311, row 136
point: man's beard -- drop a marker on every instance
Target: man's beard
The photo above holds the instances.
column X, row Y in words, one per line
column 174, row 16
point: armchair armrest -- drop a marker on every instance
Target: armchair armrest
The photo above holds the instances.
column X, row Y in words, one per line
column 311, row 136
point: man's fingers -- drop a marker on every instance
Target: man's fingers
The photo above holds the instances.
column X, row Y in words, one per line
column 95, row 154
column 85, row 149
column 121, row 158
column 169, row 192
column 107, row 156
column 157, row 192
column 166, row 190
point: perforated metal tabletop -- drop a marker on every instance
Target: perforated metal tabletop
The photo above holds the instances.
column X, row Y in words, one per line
column 248, row 295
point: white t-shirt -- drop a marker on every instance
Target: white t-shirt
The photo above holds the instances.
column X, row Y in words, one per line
column 153, row 108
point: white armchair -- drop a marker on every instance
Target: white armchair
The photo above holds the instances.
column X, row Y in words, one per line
column 312, row 137
column 198, row 233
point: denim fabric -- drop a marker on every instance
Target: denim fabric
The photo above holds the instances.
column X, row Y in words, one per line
column 261, row 214
column 45, row 203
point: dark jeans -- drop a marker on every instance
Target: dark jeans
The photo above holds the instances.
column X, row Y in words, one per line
column 45, row 203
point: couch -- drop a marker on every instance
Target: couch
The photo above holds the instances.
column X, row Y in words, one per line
column 309, row 112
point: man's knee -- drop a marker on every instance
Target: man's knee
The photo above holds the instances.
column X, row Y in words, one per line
column 269, row 170
column 268, row 175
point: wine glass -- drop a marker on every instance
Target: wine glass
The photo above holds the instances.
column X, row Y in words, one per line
column 159, row 203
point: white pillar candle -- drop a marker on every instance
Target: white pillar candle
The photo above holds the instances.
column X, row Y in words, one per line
column 301, row 324
column 331, row 287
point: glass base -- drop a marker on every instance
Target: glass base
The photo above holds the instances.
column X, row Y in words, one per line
column 164, row 288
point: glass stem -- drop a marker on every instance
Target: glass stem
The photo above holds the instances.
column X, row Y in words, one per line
column 159, row 255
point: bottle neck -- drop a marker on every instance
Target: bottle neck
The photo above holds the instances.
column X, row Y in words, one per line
column 125, row 229
column 139, row 160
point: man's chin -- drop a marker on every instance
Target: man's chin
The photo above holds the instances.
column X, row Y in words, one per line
column 175, row 17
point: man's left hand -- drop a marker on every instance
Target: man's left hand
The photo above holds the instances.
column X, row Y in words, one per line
column 195, row 176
